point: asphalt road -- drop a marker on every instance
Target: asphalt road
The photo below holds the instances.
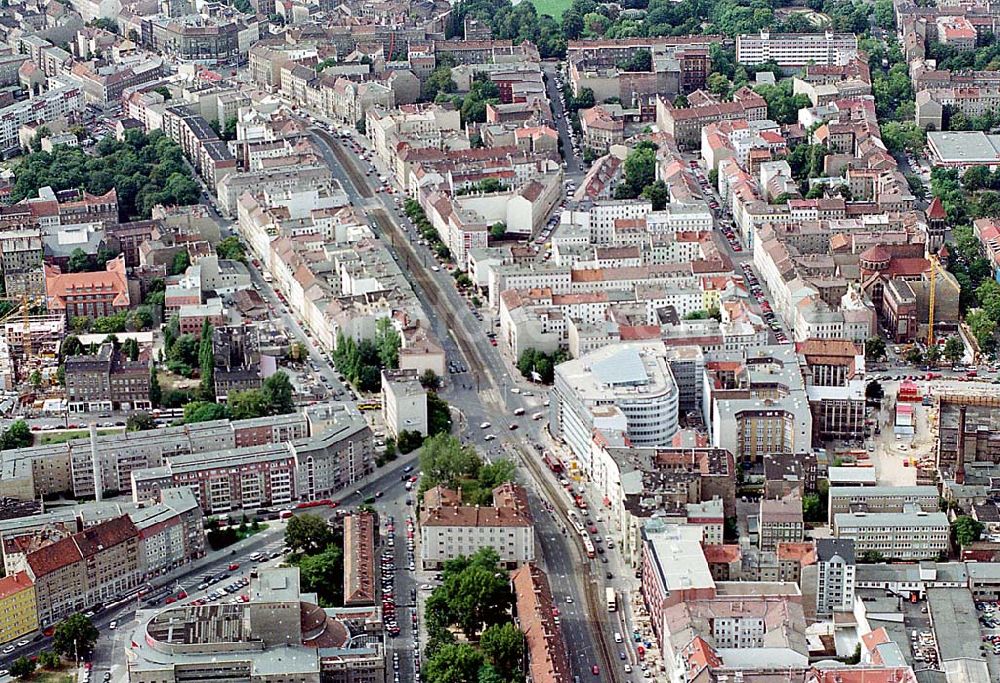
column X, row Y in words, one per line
column 481, row 397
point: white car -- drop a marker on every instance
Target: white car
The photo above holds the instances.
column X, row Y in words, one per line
column 485, row 425
column 7, row 650
column 488, row 437
column 435, row 269
column 113, row 625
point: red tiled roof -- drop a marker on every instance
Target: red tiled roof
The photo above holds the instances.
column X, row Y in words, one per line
column 10, row 585
column 53, row 557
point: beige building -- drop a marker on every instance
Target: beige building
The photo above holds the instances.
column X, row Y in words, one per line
column 450, row 529
column 780, row 522
column 98, row 564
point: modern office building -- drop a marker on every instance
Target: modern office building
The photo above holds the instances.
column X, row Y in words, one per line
column 796, row 50
column 909, row 535
column 627, row 388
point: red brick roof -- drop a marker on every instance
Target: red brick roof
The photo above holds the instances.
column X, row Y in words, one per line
column 94, row 539
column 547, row 658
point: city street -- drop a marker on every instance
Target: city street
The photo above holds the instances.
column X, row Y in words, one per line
column 484, row 394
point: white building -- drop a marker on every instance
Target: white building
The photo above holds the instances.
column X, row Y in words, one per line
column 627, row 388
column 449, row 529
column 404, row 402
column 63, row 97
column 835, row 580
column 794, row 50
column 909, row 535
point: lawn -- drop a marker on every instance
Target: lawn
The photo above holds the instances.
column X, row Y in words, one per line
column 554, row 8
column 43, row 439
column 52, row 677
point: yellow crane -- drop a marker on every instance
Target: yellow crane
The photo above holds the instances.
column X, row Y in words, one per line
column 25, row 304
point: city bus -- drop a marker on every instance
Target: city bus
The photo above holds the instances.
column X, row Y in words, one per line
column 611, row 598
column 588, row 546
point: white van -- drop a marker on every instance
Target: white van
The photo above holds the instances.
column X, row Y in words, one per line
column 618, row 637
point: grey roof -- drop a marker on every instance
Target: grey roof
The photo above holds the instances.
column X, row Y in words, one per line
column 828, row 548
column 889, row 519
column 956, row 623
column 983, row 570
column 623, row 368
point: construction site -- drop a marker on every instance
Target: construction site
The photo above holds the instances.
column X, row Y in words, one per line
column 29, row 342
column 968, row 432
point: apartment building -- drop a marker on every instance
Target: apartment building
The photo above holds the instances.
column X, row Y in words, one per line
column 18, row 608
column 909, row 535
column 107, row 380
column 834, row 378
column 835, row 576
column 796, row 50
column 359, row 559
column 98, row 564
column 21, row 256
column 63, row 98
column 449, row 529
column 534, row 612
column 780, row 521
column 404, row 402
column 756, row 402
column 686, row 124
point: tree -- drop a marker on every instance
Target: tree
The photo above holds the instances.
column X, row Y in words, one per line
column 966, row 530
column 872, row 557
column 307, row 533
column 954, row 349
column 35, row 379
column 718, row 85
column 444, row 460
column 79, row 261
column 206, row 362
column 976, row 178
column 278, row 394
column 22, row 667
column 657, row 193
column 438, row 415
column 130, row 348
column 388, row 341
column 875, row 348
column 74, row 636
column 180, row 263
column 408, row 441
column 498, row 230
column 203, row 411
column 231, row 248
column 454, row 663
column 155, row 393
column 244, row 405
column 139, row 421
column 323, row 574
column 429, row 379
column 503, row 645
column 18, row 435
column 812, row 508
column 640, row 171
column 914, row 355
column 933, row 354
column 47, row 659
column 874, row 391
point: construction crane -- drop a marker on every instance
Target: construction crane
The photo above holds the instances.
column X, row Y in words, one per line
column 25, row 304
column 930, row 299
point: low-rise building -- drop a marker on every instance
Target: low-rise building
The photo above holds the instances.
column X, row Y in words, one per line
column 88, row 295
column 909, row 535
column 280, row 635
column 449, row 529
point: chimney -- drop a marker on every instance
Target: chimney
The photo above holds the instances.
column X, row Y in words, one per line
column 960, row 448
column 95, row 464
